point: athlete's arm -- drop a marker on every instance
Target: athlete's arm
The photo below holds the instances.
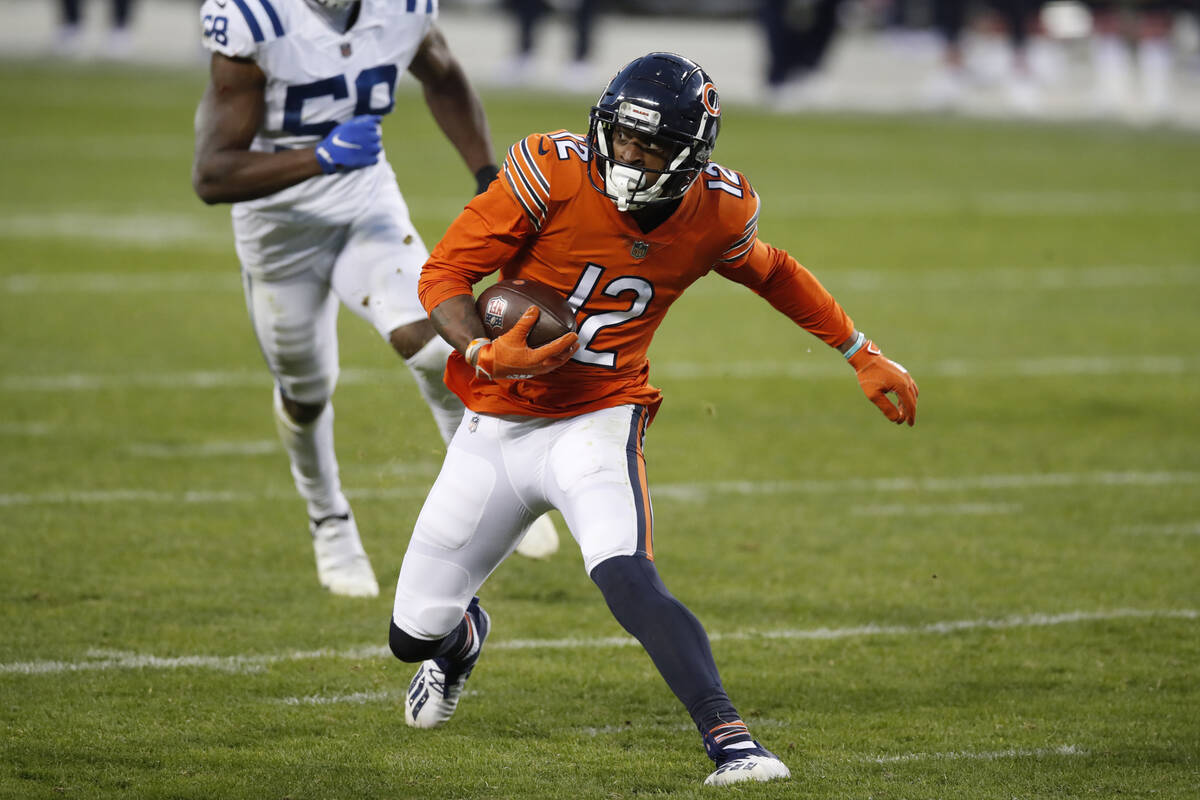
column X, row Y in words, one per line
column 779, row 279
column 457, row 321
column 225, row 170
column 454, row 104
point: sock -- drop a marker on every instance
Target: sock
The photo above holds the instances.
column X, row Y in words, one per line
column 314, row 463
column 427, row 367
column 468, row 644
column 678, row 646
column 721, row 727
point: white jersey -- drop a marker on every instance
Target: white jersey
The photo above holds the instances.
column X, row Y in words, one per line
column 317, row 78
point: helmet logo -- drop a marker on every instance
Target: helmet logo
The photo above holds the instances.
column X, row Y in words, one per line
column 708, row 96
column 638, row 117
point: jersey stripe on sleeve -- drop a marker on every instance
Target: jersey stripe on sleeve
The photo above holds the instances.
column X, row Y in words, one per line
column 743, row 245
column 527, row 182
column 255, row 30
column 276, row 25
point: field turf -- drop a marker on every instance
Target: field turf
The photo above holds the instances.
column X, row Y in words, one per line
column 1002, row 602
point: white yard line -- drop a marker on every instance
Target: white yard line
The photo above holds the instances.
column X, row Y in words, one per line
column 1165, row 529
column 684, row 492
column 993, row 755
column 354, row 698
column 228, row 280
column 104, row 660
column 216, row 449
column 1111, row 276
column 929, row 510
column 138, row 229
column 692, row 492
column 819, row 368
column 149, row 229
column 25, row 429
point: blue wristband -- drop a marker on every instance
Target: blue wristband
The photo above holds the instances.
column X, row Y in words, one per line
column 858, row 343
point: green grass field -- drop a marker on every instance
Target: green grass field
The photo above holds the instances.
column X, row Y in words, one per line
column 1002, row 602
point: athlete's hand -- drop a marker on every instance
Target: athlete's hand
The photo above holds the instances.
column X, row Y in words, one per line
column 509, row 356
column 352, row 145
column 879, row 375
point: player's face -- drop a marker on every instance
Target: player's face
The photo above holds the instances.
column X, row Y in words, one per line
column 639, row 150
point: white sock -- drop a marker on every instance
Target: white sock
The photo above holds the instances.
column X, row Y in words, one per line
column 427, row 367
column 314, row 463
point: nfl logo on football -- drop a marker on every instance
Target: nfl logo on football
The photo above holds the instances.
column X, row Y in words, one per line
column 493, row 315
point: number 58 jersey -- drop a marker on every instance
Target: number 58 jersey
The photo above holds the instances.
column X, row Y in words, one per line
column 544, row 221
column 317, row 78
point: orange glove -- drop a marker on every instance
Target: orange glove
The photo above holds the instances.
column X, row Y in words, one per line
column 511, row 358
column 879, row 375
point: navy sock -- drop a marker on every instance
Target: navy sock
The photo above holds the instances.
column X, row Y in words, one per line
column 675, row 641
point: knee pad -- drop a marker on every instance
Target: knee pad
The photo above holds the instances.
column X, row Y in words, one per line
column 410, row 648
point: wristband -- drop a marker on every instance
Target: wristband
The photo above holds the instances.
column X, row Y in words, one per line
column 484, row 177
column 472, row 355
column 858, row 343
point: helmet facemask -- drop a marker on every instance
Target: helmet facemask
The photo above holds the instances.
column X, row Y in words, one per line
column 632, row 187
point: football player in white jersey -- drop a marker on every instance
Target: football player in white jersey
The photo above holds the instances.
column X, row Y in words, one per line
column 288, row 131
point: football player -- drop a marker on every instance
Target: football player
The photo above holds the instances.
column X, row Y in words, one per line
column 620, row 222
column 288, row 131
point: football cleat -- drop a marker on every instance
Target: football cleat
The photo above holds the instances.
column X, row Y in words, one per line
column 753, row 763
column 434, row 691
column 342, row 564
column 540, row 539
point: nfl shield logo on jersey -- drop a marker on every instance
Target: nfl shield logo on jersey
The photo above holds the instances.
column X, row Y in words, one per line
column 346, row 50
column 493, row 315
column 639, row 249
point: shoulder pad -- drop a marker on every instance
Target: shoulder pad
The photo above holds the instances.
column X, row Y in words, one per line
column 236, row 28
column 532, row 164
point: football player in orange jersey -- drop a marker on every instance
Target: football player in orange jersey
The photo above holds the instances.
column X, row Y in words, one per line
column 619, row 222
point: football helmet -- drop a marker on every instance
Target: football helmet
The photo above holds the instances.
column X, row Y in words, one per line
column 668, row 98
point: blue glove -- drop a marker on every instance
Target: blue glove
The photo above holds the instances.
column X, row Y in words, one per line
column 352, row 145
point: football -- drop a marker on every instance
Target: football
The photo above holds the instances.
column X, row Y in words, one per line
column 502, row 304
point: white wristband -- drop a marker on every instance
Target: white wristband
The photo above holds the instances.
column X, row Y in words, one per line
column 472, row 351
column 854, row 348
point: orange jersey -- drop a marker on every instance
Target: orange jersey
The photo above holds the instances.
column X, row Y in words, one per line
column 542, row 220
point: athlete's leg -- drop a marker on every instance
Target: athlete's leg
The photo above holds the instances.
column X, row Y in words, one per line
column 376, row 276
column 599, row 483
column 469, row 523
column 294, row 317
column 295, row 321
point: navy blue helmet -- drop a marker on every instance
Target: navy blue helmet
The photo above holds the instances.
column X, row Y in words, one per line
column 670, row 99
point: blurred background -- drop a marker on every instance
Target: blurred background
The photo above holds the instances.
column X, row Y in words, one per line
column 1133, row 61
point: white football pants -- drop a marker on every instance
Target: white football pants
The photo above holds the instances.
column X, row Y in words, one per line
column 500, row 474
column 371, row 265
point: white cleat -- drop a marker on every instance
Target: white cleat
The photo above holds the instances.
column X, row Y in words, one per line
column 540, row 540
column 342, row 564
column 434, row 691
column 755, row 764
